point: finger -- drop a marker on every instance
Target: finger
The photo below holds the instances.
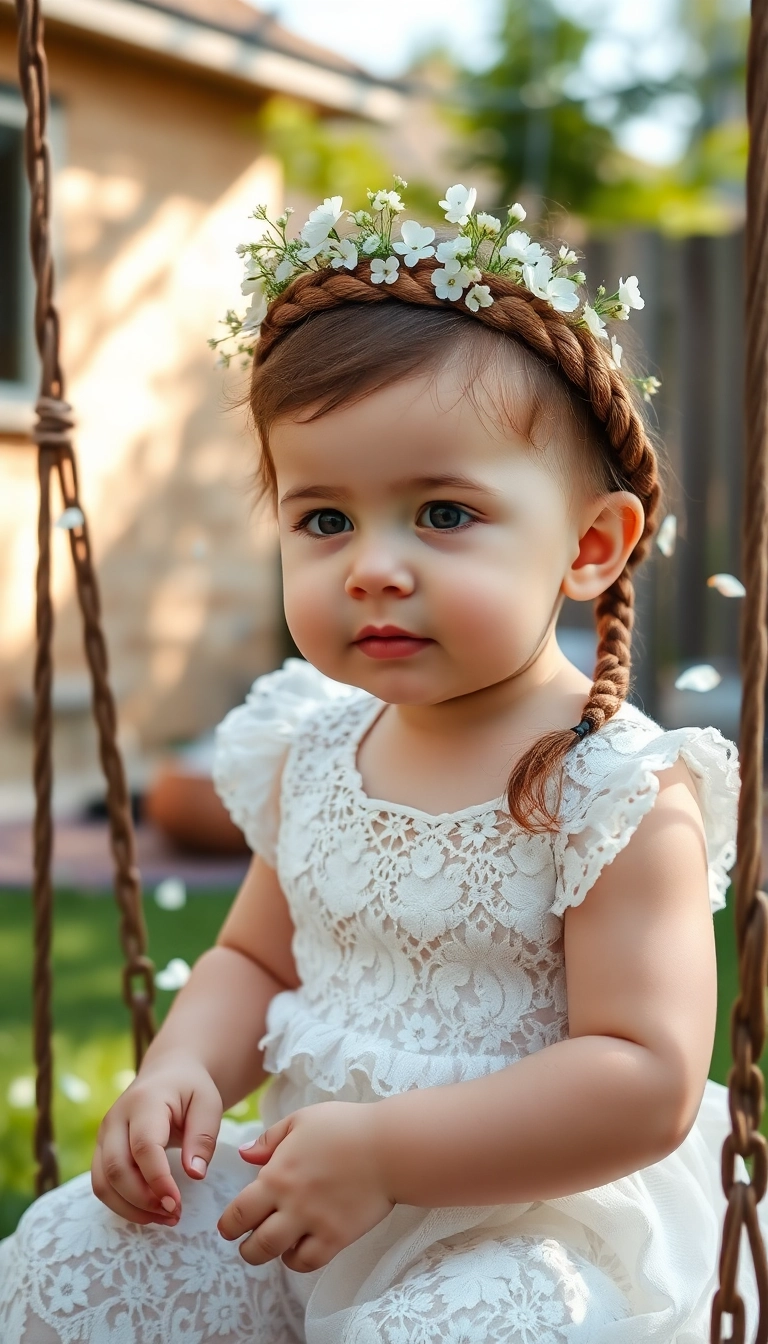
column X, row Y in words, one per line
column 121, row 1172
column 201, row 1128
column 246, row 1212
column 278, row 1233
column 259, row 1150
column 148, row 1134
column 309, row 1254
column 114, row 1201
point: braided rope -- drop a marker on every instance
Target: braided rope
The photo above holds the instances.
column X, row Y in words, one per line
column 745, row 1081
column 580, row 359
column 53, row 437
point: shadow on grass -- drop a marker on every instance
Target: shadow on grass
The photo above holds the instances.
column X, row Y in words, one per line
column 92, row 1040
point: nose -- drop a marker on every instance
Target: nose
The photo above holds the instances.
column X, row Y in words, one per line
column 376, row 568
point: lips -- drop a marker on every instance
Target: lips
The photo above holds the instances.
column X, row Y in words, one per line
column 389, row 641
column 385, row 632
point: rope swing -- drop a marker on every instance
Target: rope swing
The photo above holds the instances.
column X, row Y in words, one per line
column 52, row 434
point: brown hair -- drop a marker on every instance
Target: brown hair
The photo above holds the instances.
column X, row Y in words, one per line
column 370, row 335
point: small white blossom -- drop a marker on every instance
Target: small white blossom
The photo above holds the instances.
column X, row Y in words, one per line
column 243, row 249
column 479, row 296
column 458, row 204
column 567, row 257
column 284, row 269
column 387, row 200
column 516, row 213
column 256, row 313
column 451, row 281
column 650, row 387
column 472, row 275
column 489, row 225
column 727, row 584
column 616, row 352
column 321, row 221
column 594, row 322
column 629, row 294
column 416, row 244
column 362, row 217
column 702, row 677
column 454, row 247
column 371, row 243
column 518, row 247
column 561, row 293
column 400, row 182
column 252, row 281
column 384, row 270
column 667, row 535
column 344, row 253
column 557, row 290
column 308, row 253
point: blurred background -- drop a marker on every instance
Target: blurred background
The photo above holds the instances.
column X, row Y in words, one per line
column 621, row 127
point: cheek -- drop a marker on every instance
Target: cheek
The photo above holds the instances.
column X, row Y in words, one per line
column 307, row 600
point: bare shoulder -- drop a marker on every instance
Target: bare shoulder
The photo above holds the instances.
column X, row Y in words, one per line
column 639, row 950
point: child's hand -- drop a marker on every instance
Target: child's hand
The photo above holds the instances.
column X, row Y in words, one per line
column 319, row 1191
column 175, row 1102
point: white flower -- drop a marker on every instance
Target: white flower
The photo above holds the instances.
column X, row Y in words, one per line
column 284, row 269
column 488, row 224
column 629, row 294
column 175, row 975
column 594, row 322
column 256, row 313
column 371, row 243
column 702, row 677
column 561, row 293
column 518, row 247
column 649, row 387
column 479, row 296
column 344, row 253
column 243, row 249
column 537, row 276
column 516, row 213
column 472, row 275
column 416, row 244
column 667, row 535
column 384, row 270
column 451, row 281
column 171, row 893
column 616, row 352
column 454, row 247
column 387, row 200
column 727, row 584
column 321, row 221
column 252, row 281
column 458, row 204
column 567, row 257
column 71, row 517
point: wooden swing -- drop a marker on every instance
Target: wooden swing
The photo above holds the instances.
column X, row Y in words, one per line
column 53, row 436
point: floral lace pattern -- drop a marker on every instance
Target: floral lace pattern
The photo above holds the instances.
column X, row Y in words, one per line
column 430, row 950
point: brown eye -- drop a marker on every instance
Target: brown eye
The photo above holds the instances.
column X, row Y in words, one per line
column 327, row 523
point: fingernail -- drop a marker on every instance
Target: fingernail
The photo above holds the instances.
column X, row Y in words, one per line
column 168, row 1204
column 199, row 1164
column 245, row 1146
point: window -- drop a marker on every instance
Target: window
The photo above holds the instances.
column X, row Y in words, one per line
column 17, row 354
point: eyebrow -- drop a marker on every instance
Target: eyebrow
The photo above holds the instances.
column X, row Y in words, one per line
column 454, row 480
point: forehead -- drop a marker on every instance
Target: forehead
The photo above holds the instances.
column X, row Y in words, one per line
column 419, row 427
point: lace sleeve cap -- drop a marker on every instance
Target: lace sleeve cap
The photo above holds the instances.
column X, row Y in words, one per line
column 253, row 740
column 613, row 782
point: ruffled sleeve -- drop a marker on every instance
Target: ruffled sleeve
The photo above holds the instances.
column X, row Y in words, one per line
column 252, row 742
column 613, row 782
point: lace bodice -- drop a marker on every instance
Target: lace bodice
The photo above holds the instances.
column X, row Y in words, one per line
column 430, row 948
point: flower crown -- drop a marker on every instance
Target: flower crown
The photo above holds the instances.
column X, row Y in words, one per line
column 483, row 245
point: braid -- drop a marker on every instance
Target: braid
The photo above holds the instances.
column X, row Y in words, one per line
column 584, row 363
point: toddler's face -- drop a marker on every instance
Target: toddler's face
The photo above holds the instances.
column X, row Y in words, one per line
column 408, row 510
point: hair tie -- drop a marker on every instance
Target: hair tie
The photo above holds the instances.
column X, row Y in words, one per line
column 582, row 728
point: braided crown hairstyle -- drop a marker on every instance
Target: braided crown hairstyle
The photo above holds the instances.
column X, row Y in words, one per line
column 571, row 355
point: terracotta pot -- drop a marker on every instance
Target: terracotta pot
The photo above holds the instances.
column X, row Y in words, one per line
column 187, row 809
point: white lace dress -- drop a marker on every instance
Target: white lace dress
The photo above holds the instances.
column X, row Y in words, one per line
column 430, row 950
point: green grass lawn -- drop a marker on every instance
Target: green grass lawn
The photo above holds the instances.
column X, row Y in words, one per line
column 92, row 1042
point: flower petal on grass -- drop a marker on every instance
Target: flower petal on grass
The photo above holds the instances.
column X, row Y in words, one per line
column 171, row 893
column 702, row 677
column 727, row 584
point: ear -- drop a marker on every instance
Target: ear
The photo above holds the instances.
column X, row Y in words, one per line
column 609, row 530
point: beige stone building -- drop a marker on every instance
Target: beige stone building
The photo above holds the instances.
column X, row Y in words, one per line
column 157, row 167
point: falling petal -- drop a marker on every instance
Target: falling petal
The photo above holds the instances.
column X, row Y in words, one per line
column 175, row 975
column 74, row 1088
column 667, row 535
column 123, row 1078
column 727, row 584
column 171, row 894
column 21, row 1093
column 702, row 677
column 70, row 518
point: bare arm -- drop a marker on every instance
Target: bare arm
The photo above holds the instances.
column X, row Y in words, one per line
column 623, row 1091
column 219, row 1016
